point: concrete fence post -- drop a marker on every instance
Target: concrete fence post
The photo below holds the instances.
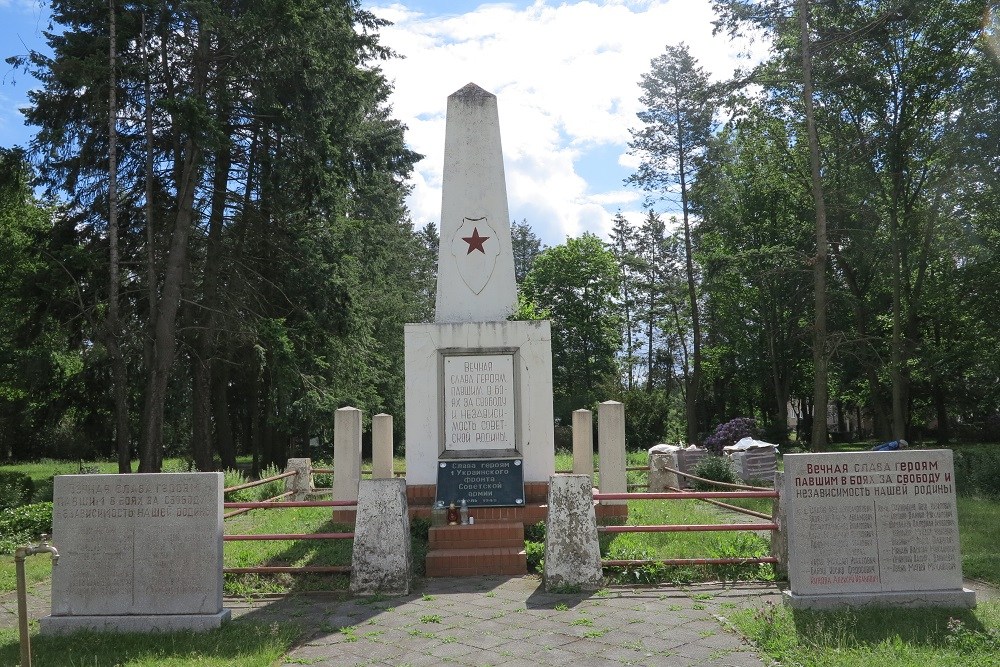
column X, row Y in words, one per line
column 611, row 449
column 382, row 446
column 583, row 443
column 346, row 453
column 572, row 552
column 380, row 561
column 300, row 485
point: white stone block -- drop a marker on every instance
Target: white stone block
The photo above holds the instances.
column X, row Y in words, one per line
column 382, row 446
column 872, row 523
column 611, row 449
column 572, row 551
column 381, row 557
column 136, row 545
column 436, row 404
column 301, row 485
column 475, row 261
column 583, row 443
column 346, row 453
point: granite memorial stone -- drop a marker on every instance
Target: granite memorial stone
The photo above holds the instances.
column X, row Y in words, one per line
column 137, row 552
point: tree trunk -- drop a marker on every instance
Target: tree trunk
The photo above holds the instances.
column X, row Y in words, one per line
column 820, row 389
column 112, row 325
column 220, row 413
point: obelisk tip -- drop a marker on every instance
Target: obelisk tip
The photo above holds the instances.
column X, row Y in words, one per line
column 471, row 91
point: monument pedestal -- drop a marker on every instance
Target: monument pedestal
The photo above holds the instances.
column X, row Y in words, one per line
column 960, row 599
column 60, row 625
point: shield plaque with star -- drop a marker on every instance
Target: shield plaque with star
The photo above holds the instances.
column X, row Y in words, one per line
column 475, row 247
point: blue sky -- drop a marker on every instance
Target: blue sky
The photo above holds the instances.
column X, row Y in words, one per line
column 566, row 74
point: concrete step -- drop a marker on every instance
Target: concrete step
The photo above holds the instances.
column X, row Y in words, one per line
column 476, row 536
column 469, row 562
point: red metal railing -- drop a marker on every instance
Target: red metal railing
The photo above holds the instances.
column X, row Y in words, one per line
column 676, row 528
column 275, row 503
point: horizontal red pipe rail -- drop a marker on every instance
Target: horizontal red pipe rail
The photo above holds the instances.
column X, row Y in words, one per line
column 292, row 503
column 322, row 471
column 637, row 468
column 269, row 500
column 686, row 495
column 289, row 536
column 693, row 561
column 273, row 569
column 734, row 508
column 692, row 528
column 258, row 482
column 727, row 485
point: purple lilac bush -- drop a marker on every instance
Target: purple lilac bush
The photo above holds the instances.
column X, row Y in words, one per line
column 729, row 433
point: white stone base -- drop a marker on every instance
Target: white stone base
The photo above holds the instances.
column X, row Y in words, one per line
column 61, row 625
column 530, row 344
column 962, row 599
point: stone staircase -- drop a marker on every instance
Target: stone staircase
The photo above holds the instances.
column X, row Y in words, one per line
column 494, row 544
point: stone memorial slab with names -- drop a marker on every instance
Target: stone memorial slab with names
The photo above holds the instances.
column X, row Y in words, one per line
column 482, row 483
column 137, row 546
column 479, row 402
column 872, row 522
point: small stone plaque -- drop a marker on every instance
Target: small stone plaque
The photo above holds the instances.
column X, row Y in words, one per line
column 478, row 402
column 482, row 483
column 872, row 522
column 142, row 544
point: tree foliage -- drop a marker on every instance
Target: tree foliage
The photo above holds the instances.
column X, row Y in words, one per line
column 268, row 263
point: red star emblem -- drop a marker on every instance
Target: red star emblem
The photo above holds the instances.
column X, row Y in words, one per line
column 476, row 241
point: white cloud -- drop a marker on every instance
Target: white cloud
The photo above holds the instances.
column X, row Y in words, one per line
column 567, row 81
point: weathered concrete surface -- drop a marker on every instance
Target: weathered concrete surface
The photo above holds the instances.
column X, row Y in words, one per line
column 959, row 599
column 141, row 545
column 300, row 485
column 583, row 443
column 346, row 453
column 611, row 449
column 63, row 625
column 382, row 446
column 475, row 280
column 572, row 552
column 381, row 558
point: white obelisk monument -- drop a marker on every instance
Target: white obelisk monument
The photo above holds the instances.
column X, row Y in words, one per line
column 478, row 386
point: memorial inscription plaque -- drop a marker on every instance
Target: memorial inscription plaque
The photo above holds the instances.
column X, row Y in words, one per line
column 482, row 483
column 479, row 402
column 872, row 522
column 146, row 544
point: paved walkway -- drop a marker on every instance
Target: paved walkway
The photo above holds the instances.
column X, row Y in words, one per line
column 514, row 623
column 506, row 621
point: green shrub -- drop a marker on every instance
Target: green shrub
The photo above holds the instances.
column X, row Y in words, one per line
column 535, row 532
column 235, row 478
column 271, row 489
column 535, row 552
column 16, row 489
column 22, row 525
column 716, row 468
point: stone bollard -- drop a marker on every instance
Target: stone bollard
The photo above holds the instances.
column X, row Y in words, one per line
column 572, row 552
column 301, row 485
column 659, row 479
column 611, row 449
column 382, row 446
column 380, row 562
column 346, row 453
column 779, row 538
column 583, row 443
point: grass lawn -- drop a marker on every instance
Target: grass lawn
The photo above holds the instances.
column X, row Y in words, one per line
column 877, row 636
column 235, row 644
column 285, row 553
